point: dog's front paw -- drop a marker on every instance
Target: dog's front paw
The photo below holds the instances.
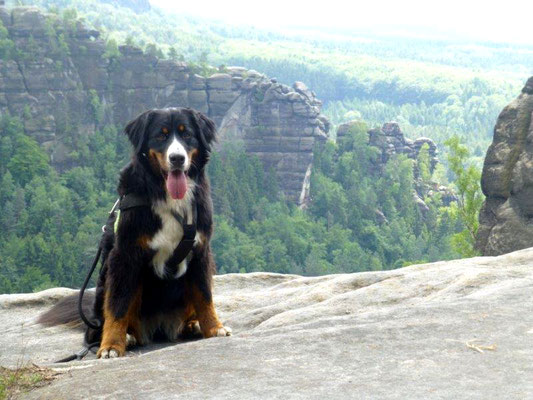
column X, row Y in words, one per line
column 110, row 352
column 220, row 331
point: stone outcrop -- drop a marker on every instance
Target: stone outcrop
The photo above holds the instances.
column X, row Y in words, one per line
column 455, row 329
column 507, row 180
column 64, row 83
column 391, row 141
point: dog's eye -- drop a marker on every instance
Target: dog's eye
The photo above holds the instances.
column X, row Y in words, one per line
column 184, row 132
column 163, row 134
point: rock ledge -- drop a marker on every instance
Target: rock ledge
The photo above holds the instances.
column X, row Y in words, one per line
column 407, row 333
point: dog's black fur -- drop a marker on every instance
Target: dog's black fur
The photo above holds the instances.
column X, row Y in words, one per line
column 129, row 289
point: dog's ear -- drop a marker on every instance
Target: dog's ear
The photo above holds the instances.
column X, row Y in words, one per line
column 136, row 128
column 207, row 130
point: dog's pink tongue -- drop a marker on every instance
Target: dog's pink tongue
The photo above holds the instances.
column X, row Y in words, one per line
column 177, row 184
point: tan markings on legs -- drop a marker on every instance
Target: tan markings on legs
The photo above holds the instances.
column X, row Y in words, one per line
column 207, row 315
column 143, row 241
column 191, row 327
column 114, row 332
column 134, row 323
column 189, row 313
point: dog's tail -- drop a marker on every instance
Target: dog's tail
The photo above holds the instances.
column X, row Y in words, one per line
column 66, row 311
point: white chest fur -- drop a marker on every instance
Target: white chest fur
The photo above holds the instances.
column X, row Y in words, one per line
column 165, row 241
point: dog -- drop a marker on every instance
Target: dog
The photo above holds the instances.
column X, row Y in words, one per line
column 145, row 290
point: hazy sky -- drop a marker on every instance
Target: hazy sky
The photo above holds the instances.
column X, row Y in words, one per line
column 508, row 20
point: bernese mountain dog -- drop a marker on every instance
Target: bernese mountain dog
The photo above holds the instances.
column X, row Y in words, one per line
column 145, row 290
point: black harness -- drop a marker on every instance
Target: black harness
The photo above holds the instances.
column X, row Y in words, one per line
column 187, row 241
column 127, row 202
column 186, row 244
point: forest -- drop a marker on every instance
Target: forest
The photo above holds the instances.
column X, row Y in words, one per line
column 52, row 222
column 359, row 218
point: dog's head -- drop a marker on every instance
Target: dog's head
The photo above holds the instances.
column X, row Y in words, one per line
column 175, row 141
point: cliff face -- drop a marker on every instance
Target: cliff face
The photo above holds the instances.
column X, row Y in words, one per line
column 507, row 180
column 64, row 83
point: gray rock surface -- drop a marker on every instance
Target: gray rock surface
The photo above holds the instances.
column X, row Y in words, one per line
column 507, row 180
column 455, row 330
column 54, row 90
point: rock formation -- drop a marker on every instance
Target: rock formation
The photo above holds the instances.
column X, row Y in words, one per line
column 390, row 141
column 64, row 83
column 507, row 180
column 456, row 329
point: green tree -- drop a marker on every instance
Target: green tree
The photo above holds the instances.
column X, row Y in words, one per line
column 96, row 106
column 467, row 182
column 6, row 149
column 28, row 160
column 111, row 50
column 153, row 50
column 424, row 163
column 70, row 18
column 7, row 47
column 130, row 41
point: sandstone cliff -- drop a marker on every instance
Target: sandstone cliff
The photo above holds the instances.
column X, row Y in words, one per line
column 507, row 180
column 64, row 83
column 455, row 330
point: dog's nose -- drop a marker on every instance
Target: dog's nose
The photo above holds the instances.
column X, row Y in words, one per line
column 177, row 160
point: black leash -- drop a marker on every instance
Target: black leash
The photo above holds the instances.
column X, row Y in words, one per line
column 80, row 354
column 89, row 323
column 94, row 325
column 124, row 203
column 89, row 347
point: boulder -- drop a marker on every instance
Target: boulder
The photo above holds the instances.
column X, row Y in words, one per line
column 455, row 329
column 507, row 180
